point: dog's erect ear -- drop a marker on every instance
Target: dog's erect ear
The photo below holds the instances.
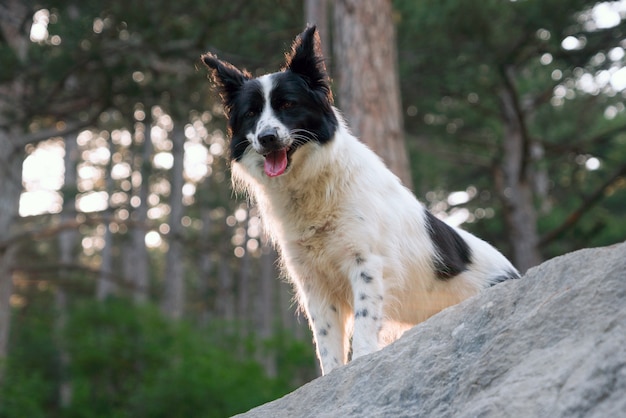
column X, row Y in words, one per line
column 226, row 77
column 306, row 60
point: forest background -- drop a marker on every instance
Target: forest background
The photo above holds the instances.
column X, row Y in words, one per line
column 132, row 281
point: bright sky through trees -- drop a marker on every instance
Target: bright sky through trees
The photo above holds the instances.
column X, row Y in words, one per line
column 43, row 168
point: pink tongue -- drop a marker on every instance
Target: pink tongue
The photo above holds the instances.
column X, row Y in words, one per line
column 276, row 162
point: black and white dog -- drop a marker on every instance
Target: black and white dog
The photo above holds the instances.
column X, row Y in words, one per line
column 366, row 259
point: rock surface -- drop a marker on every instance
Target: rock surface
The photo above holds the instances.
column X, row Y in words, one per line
column 552, row 344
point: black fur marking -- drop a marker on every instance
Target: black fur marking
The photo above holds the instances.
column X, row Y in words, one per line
column 362, row 296
column 361, row 314
column 323, row 332
column 509, row 275
column 333, row 308
column 359, row 258
column 453, row 253
column 309, row 113
column 227, row 78
column 306, row 59
column 300, row 97
column 366, row 277
column 247, row 108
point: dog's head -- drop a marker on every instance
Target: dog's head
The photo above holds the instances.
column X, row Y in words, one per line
column 276, row 114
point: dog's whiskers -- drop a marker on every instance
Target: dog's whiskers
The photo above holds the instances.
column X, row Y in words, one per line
column 302, row 136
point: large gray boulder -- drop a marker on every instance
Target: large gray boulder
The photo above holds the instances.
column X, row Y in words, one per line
column 552, row 344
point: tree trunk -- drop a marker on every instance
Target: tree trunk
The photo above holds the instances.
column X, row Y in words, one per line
column 6, row 290
column 225, row 303
column 367, row 74
column 141, row 274
column 513, row 181
column 11, row 158
column 316, row 13
column 174, row 296
column 105, row 286
column 14, row 18
column 267, row 285
column 206, row 283
column 67, row 243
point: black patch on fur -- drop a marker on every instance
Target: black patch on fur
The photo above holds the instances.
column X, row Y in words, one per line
column 453, row 253
column 508, row 275
column 302, row 108
column 366, row 277
column 300, row 97
column 361, row 314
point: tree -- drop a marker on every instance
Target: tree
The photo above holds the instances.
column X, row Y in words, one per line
column 106, row 287
column 33, row 108
column 67, row 247
column 11, row 156
column 137, row 253
column 367, row 77
column 316, row 13
column 494, row 89
column 91, row 70
column 174, row 295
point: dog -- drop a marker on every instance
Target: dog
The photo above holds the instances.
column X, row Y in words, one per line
column 366, row 259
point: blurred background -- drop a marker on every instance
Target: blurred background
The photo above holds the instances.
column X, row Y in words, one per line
column 134, row 283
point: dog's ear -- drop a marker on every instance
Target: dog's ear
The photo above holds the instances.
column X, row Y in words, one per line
column 306, row 60
column 227, row 78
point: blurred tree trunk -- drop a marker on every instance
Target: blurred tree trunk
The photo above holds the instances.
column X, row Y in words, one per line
column 225, row 303
column 514, row 183
column 206, row 283
column 11, row 158
column 174, row 296
column 67, row 244
column 140, row 266
column 243, row 286
column 14, row 17
column 366, row 70
column 265, row 305
column 105, row 286
column 316, row 13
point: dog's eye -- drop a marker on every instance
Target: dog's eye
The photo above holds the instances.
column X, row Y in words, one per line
column 250, row 113
column 286, row 105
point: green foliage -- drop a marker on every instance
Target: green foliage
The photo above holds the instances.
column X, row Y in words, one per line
column 128, row 361
column 31, row 368
column 457, row 58
column 23, row 395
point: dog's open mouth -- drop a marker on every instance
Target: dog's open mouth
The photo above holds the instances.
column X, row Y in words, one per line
column 276, row 162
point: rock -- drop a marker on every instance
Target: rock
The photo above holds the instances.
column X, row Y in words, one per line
column 552, row 344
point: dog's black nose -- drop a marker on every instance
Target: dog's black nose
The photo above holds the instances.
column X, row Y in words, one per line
column 268, row 137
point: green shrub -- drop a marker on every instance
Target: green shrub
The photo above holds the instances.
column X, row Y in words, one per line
column 129, row 361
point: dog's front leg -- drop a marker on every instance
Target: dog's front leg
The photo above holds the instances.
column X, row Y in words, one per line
column 367, row 286
column 328, row 323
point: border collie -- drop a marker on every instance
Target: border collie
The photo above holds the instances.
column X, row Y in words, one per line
column 365, row 257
